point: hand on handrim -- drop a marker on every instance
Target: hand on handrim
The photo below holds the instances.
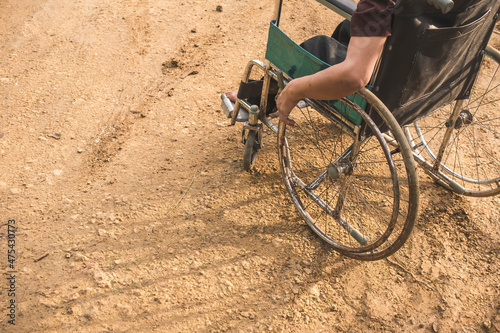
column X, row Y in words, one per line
column 285, row 103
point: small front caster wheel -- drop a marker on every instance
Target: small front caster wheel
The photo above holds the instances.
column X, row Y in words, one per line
column 252, row 146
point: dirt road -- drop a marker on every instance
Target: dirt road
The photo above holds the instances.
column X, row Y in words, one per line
column 132, row 209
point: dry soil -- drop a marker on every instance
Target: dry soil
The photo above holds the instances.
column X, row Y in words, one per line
column 132, row 208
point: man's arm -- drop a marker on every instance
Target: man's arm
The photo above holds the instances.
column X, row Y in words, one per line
column 336, row 81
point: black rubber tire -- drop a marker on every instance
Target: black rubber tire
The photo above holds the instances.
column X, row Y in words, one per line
column 252, row 146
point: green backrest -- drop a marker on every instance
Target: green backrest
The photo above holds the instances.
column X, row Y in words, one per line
column 295, row 62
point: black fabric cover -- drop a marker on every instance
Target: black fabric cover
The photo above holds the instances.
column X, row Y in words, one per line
column 252, row 91
column 253, row 88
column 432, row 58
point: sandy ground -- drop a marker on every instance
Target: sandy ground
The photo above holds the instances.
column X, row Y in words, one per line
column 132, row 208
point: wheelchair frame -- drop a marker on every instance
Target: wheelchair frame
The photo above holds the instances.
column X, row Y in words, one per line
column 378, row 237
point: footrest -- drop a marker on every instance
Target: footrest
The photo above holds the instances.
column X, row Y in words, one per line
column 228, row 108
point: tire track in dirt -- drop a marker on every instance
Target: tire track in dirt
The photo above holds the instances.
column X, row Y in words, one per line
column 136, row 105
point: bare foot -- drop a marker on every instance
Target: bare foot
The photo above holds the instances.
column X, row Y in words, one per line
column 232, row 95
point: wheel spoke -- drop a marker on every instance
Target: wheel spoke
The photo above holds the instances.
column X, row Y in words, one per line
column 347, row 190
column 472, row 157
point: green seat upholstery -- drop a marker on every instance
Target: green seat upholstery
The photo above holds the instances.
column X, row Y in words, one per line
column 287, row 56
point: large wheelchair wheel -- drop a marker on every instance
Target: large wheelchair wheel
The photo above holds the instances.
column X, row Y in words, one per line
column 355, row 187
column 471, row 159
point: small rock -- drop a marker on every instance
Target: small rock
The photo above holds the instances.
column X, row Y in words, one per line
column 435, row 327
column 138, row 292
column 67, row 200
column 196, row 265
column 75, row 296
column 487, row 324
column 102, row 279
column 247, row 314
column 79, row 257
column 41, row 138
column 56, row 136
column 218, row 8
column 314, row 291
column 87, row 291
column 79, row 151
column 173, row 63
column 49, row 303
column 57, row 172
column 277, row 242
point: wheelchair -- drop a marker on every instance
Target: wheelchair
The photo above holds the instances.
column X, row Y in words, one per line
column 350, row 165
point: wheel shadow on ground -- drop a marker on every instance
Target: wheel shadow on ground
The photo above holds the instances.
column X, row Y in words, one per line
column 239, row 264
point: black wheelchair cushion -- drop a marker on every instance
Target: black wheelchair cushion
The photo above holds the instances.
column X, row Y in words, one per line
column 343, row 32
column 326, row 48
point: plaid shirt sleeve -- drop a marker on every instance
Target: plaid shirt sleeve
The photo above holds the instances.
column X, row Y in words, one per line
column 372, row 18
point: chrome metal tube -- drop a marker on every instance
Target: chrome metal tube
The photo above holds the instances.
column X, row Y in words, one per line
column 447, row 134
column 246, row 76
column 253, row 117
